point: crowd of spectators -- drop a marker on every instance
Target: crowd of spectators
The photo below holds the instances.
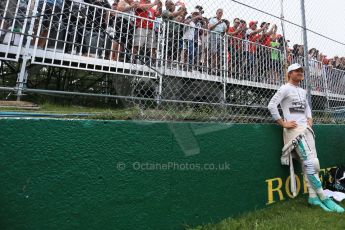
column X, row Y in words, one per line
column 127, row 30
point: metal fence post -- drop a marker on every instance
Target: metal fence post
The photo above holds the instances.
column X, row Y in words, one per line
column 23, row 74
column 283, row 32
column 306, row 58
column 160, row 54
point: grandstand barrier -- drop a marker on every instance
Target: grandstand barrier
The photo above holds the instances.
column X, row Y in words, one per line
column 88, row 37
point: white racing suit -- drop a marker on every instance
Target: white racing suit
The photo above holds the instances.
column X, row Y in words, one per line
column 294, row 104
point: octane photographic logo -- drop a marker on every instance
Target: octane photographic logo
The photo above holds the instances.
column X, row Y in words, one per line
column 173, row 166
column 185, row 136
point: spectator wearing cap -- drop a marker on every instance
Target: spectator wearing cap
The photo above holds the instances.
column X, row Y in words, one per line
column 145, row 36
column 218, row 27
column 252, row 37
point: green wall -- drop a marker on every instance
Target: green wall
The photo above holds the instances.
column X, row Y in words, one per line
column 68, row 174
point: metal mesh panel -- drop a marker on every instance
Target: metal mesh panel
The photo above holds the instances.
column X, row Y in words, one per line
column 93, row 37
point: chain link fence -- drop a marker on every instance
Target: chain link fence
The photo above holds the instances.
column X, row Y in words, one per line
column 168, row 60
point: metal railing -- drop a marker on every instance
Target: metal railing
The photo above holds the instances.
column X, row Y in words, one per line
column 84, row 36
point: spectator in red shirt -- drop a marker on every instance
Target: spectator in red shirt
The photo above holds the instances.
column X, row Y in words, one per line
column 145, row 36
column 252, row 37
column 265, row 38
column 236, row 34
column 264, row 52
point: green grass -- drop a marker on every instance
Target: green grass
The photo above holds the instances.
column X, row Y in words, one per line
column 291, row 214
column 94, row 113
column 134, row 113
column 166, row 113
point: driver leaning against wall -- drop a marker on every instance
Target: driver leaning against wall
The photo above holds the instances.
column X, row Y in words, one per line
column 297, row 125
